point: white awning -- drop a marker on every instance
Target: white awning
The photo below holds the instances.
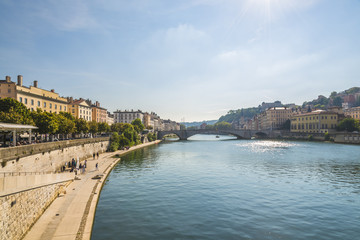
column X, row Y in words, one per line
column 16, row 127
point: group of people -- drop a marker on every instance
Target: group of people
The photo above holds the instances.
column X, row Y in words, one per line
column 76, row 166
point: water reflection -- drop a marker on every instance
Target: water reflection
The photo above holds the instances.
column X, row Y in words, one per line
column 233, row 190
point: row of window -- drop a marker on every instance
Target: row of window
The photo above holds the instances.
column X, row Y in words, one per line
column 32, row 103
column 313, row 118
column 312, row 126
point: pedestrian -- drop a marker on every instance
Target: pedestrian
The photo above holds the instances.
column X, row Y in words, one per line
column 97, row 155
column 96, row 165
column 94, row 156
column 85, row 164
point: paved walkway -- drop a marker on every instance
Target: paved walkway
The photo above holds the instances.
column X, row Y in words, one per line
column 71, row 215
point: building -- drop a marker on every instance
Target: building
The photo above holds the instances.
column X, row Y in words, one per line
column 319, row 121
column 171, row 125
column 128, row 116
column 353, row 112
column 274, row 118
column 33, row 97
column 80, row 109
column 98, row 114
column 110, row 118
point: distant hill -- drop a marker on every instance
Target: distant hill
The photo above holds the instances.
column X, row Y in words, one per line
column 196, row 124
column 351, row 97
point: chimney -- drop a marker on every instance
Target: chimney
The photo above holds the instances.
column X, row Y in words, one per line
column 20, row 80
column 53, row 90
column 97, row 104
column 8, row 79
column 35, row 83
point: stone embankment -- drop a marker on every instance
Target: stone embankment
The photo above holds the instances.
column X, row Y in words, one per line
column 50, row 156
column 71, row 215
column 24, row 197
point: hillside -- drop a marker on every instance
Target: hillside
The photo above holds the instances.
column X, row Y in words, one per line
column 348, row 98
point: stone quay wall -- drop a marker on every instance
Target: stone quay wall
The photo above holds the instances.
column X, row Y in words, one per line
column 49, row 157
column 20, row 210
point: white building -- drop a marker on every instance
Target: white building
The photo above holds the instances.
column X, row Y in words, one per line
column 128, row 116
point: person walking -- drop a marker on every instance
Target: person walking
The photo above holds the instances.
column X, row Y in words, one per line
column 96, row 166
column 97, row 155
column 94, row 156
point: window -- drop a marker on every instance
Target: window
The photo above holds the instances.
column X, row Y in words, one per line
column 73, row 111
column 60, row 107
column 25, row 100
column 32, row 102
column 64, row 108
column 44, row 104
column 9, row 90
column 55, row 106
column 20, row 99
column 38, row 103
column 50, row 105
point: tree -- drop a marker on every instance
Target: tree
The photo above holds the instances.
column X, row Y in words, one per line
column 348, row 124
column 46, row 122
column 222, row 126
column 138, row 125
column 182, row 127
column 93, row 127
column 103, row 127
column 117, row 127
column 338, row 101
column 81, row 126
column 12, row 111
column 66, row 126
column 114, row 142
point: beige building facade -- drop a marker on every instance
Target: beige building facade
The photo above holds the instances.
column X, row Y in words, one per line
column 319, row 121
column 33, row 97
column 353, row 112
column 80, row 109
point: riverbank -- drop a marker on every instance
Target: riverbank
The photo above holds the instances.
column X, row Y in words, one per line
column 71, row 215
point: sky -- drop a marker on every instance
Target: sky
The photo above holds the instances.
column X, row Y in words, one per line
column 186, row 60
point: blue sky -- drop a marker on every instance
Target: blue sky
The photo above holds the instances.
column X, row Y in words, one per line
column 183, row 59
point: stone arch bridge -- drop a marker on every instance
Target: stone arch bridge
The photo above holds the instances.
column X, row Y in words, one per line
column 239, row 134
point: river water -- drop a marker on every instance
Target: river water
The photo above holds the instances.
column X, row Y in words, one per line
column 233, row 189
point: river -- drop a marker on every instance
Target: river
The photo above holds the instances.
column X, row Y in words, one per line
column 220, row 188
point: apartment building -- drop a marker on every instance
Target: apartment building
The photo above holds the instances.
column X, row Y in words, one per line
column 80, row 109
column 33, row 97
column 274, row 118
column 319, row 121
column 128, row 116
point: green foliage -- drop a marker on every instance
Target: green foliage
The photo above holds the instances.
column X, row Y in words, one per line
column 114, row 142
column 65, row 125
column 348, row 124
column 103, row 127
column 310, row 138
column 12, row 111
column 151, row 137
column 67, row 115
column 81, row 126
column 138, row 125
column 338, row 101
column 353, row 90
column 93, row 127
column 46, row 122
column 117, row 127
column 235, row 115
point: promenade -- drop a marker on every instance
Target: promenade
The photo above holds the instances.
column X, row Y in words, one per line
column 71, row 215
